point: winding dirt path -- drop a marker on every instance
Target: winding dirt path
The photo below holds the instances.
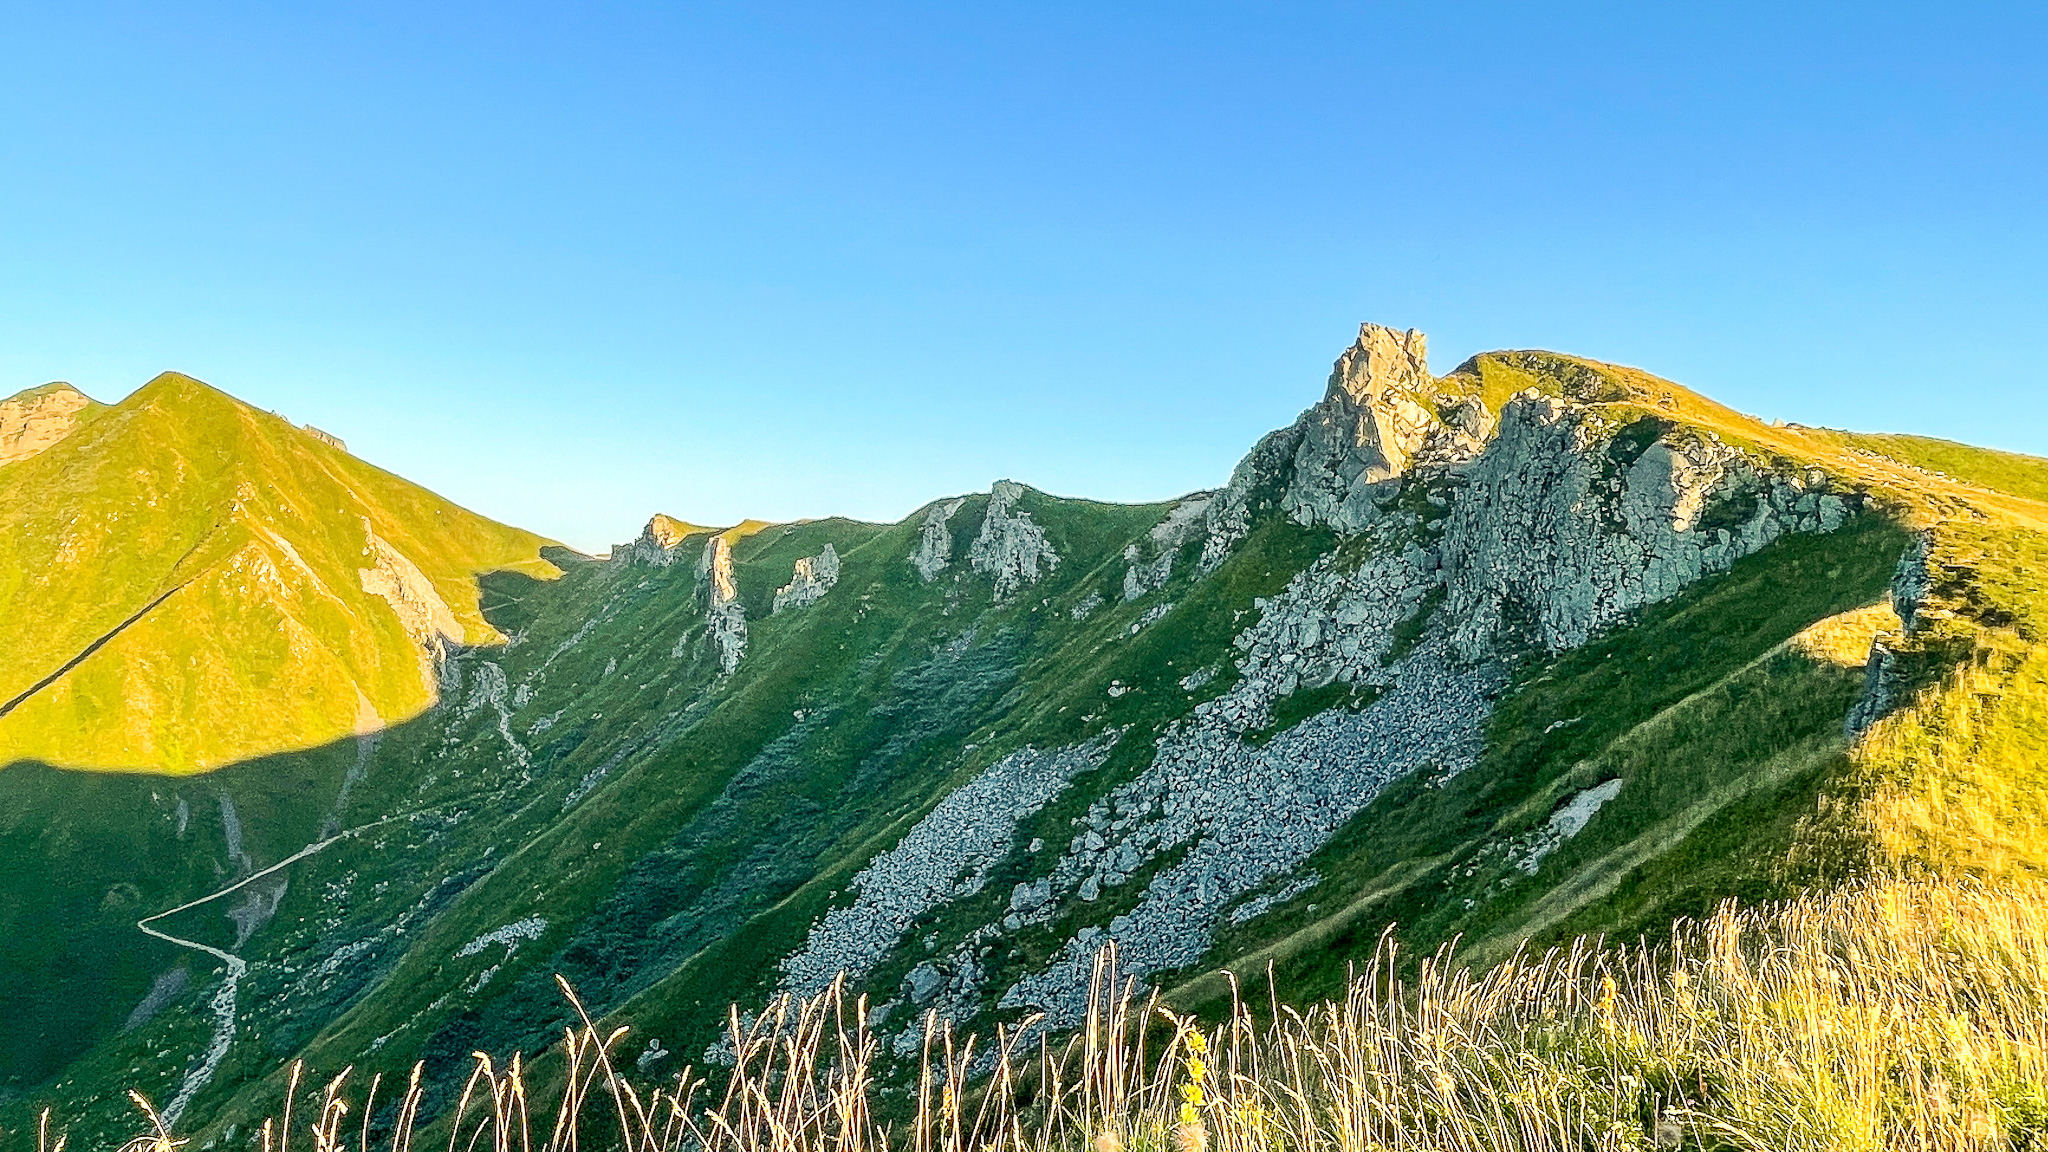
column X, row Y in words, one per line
column 223, row 1002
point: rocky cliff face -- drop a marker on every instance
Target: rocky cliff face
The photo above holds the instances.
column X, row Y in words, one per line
column 935, row 540
column 1483, row 536
column 34, row 420
column 659, row 543
column 810, row 579
column 1151, row 563
column 1010, row 548
column 724, row 617
column 1381, row 415
column 425, row 616
column 1556, row 527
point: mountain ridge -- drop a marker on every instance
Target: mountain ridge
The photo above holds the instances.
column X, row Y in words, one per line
column 1537, row 647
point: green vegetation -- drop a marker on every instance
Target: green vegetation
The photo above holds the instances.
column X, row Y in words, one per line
column 590, row 796
column 1695, row 705
column 2008, row 472
column 1898, row 1016
column 182, row 577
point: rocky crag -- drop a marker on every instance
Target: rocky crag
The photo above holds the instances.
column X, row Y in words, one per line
column 1533, row 529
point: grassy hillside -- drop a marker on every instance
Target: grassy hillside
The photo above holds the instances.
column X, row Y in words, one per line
column 1893, row 1016
column 2007, row 472
column 603, row 794
column 184, row 581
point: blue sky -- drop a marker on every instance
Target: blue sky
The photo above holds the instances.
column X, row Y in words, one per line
column 573, row 264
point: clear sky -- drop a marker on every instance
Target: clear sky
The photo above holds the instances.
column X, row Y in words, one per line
column 572, row 264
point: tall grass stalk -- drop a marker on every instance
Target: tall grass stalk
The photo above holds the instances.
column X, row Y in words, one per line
column 1900, row 1015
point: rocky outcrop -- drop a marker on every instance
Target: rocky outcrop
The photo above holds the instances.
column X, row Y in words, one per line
column 1381, row 413
column 426, row 618
column 1913, row 582
column 659, row 545
column 811, row 578
column 725, row 620
column 1229, row 513
column 33, row 420
column 1470, row 537
column 327, row 438
column 1151, row 568
column 1558, row 529
column 1557, row 522
column 1234, row 817
column 1010, row 548
column 935, row 540
column 1568, row 821
column 1882, row 689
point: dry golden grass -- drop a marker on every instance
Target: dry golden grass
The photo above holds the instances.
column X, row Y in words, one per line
column 1898, row 1015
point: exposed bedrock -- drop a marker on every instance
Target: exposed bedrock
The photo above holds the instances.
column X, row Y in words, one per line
column 1151, row 563
column 34, row 420
column 809, row 580
column 935, row 540
column 1554, row 519
column 1010, row 548
column 425, row 617
column 1471, row 539
column 724, row 617
column 659, row 543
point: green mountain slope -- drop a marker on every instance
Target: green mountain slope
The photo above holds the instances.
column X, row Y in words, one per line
column 1538, row 647
column 192, row 582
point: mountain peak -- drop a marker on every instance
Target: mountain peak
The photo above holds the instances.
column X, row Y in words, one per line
column 177, row 390
column 1380, row 359
column 658, row 541
column 192, row 563
column 55, row 388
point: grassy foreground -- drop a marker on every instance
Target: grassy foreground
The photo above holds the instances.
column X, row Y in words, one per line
column 1895, row 1015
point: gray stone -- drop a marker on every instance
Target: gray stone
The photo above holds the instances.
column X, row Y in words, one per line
column 1010, row 548
column 945, row 855
column 810, row 578
column 935, row 540
column 659, row 544
column 724, row 618
column 923, row 983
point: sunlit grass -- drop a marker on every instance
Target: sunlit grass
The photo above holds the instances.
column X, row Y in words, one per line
column 1897, row 1015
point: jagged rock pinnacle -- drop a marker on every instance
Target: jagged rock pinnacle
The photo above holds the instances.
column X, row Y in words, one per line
column 726, row 619
column 658, row 542
column 809, row 580
column 1382, row 414
column 935, row 541
column 1010, row 547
